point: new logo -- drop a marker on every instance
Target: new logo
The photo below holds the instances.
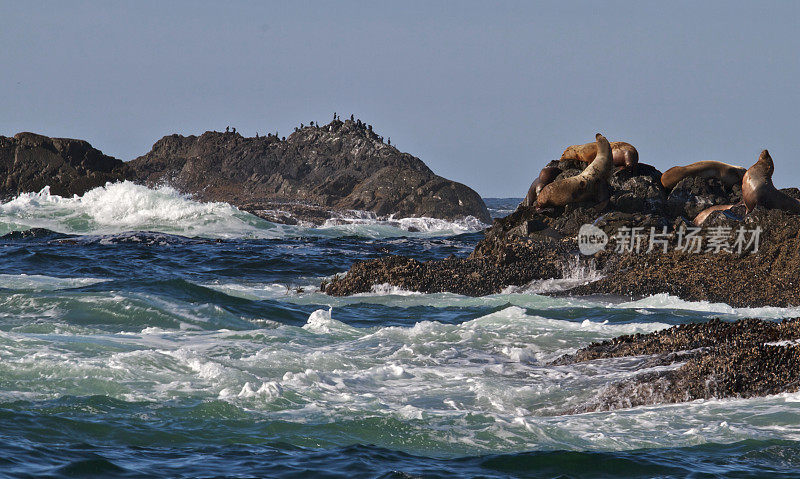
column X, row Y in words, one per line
column 591, row 239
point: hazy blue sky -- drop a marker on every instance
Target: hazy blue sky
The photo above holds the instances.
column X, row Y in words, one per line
column 484, row 93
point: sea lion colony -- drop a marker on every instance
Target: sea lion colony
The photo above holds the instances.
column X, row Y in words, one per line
column 538, row 241
column 549, row 189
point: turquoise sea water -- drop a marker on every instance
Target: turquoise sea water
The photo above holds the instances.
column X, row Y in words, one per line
column 147, row 335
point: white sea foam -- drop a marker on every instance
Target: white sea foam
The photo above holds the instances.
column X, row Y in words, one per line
column 258, row 291
column 357, row 221
column 125, row 206
column 475, row 387
column 666, row 301
column 526, row 296
column 322, row 322
column 35, row 282
column 388, row 289
column 481, row 386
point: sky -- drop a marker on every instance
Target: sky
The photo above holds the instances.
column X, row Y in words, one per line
column 485, row 93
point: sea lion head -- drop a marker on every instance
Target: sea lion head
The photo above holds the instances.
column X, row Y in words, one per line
column 603, row 146
column 603, row 164
column 766, row 160
column 569, row 153
column 757, row 188
column 548, row 174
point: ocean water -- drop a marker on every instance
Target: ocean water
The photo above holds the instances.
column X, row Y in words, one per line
column 149, row 335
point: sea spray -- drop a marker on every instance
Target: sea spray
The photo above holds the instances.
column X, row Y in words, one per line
column 126, row 206
column 576, row 271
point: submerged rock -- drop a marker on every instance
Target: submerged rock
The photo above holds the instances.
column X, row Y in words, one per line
column 31, row 233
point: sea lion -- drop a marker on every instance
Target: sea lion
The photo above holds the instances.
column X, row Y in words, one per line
column 703, row 215
column 546, row 176
column 757, row 188
column 624, row 154
column 728, row 174
column 591, row 183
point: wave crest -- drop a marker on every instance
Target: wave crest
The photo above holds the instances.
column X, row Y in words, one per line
column 126, row 206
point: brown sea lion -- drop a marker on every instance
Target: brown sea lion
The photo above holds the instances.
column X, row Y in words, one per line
column 757, row 188
column 546, row 176
column 624, row 154
column 703, row 215
column 590, row 184
column 728, row 174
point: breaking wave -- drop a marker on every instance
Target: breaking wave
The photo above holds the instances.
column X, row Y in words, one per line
column 125, row 206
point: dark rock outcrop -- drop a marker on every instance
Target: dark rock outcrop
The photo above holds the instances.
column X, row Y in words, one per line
column 637, row 191
column 29, row 162
column 315, row 173
column 537, row 244
column 694, row 194
column 515, row 263
column 339, row 166
column 769, row 277
column 715, row 359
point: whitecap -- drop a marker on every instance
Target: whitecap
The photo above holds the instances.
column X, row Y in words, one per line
column 36, row 282
column 125, row 206
column 322, row 322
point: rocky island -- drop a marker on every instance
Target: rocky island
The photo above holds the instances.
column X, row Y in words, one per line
column 536, row 243
column 319, row 171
